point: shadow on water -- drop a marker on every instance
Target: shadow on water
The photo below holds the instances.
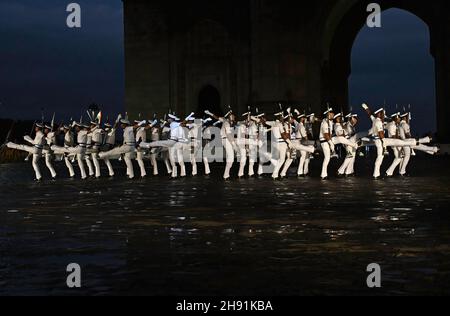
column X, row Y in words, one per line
column 244, row 237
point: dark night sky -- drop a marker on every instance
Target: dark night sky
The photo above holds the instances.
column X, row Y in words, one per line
column 44, row 64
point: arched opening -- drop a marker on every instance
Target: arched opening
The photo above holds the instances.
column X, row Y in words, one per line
column 393, row 66
column 209, row 99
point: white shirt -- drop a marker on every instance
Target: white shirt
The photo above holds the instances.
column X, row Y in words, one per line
column 339, row 130
column 128, row 136
column 155, row 134
column 325, row 128
column 68, row 139
column 111, row 137
column 350, row 129
column 252, row 130
column 377, row 127
column 277, row 130
column 227, row 129
column 404, row 130
column 141, row 134
column 97, row 136
column 392, row 129
column 82, row 138
column 50, row 138
column 301, row 131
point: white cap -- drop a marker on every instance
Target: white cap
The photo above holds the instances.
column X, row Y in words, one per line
column 404, row 115
column 337, row 115
column 378, row 111
column 125, row 121
column 328, row 111
column 279, row 113
column 173, row 117
column 395, row 115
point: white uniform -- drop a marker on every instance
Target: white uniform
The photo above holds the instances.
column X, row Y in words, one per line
column 96, row 143
column 50, row 140
column 280, row 146
column 87, row 157
column 347, row 166
column 327, row 146
column 301, row 137
column 36, row 150
column 228, row 142
column 207, row 150
column 128, row 149
column 141, row 136
column 393, row 132
column 68, row 143
column 291, row 142
column 110, row 142
column 381, row 145
column 242, row 145
column 252, row 131
column 195, row 146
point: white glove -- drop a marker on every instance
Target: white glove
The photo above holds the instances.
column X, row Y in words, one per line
column 208, row 113
column 207, row 120
column 297, row 112
column 365, row 106
column 119, row 117
column 142, row 123
column 153, row 124
column 73, row 124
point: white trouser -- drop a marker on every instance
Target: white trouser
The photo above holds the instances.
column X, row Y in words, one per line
column 253, row 155
column 396, row 162
column 327, row 157
column 281, row 149
column 93, row 153
column 206, row 152
column 347, row 166
column 388, row 142
column 37, row 153
column 127, row 151
column 287, row 163
column 344, row 141
column 61, row 151
column 243, row 158
column 78, row 151
column 194, row 149
column 405, row 161
column 48, row 162
column 140, row 160
column 264, row 157
column 229, row 153
column 154, row 163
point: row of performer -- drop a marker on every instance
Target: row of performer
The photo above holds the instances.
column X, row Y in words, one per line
column 258, row 145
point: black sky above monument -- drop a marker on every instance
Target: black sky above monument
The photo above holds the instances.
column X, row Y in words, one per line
column 46, row 65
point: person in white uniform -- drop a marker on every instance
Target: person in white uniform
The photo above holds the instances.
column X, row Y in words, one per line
column 342, row 137
column 242, row 143
column 393, row 129
column 382, row 142
column 109, row 143
column 228, row 140
column 405, row 134
column 280, row 141
column 348, row 166
column 325, row 137
column 50, row 140
column 79, row 150
column 69, row 142
column 95, row 142
column 128, row 148
column 141, row 128
column 37, row 145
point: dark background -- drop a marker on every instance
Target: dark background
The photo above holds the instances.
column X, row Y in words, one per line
column 46, row 65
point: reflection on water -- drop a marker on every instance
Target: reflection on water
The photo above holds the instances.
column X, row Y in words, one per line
column 197, row 236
